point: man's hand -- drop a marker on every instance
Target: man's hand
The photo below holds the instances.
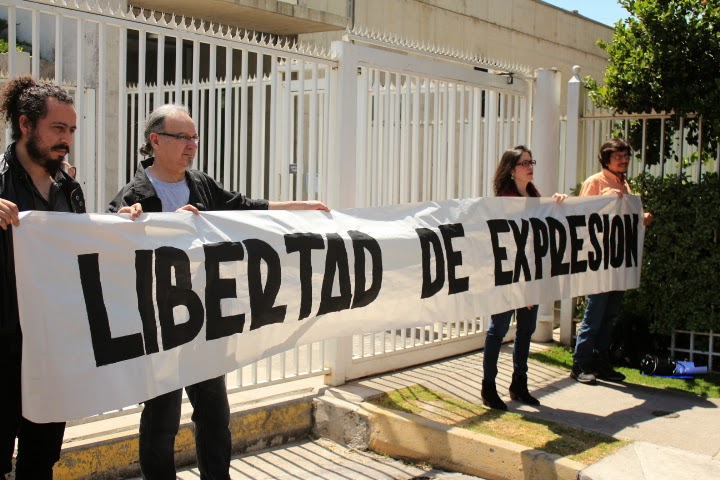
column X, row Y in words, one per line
column 298, row 205
column 189, row 208
column 134, row 210
column 9, row 214
column 647, row 219
column 559, row 197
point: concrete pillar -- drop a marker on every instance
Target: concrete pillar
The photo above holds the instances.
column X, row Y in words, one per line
column 546, row 130
column 343, row 158
column 573, row 138
column 343, row 166
column 546, row 149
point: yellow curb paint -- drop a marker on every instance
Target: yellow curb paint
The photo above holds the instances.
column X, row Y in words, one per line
column 267, row 425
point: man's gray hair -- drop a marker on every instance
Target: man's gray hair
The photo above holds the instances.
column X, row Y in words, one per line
column 156, row 123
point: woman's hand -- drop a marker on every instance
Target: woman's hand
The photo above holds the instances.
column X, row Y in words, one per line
column 559, row 197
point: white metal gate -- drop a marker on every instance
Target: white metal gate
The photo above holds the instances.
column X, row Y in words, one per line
column 374, row 123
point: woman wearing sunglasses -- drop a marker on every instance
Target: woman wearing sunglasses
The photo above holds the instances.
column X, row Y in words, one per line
column 513, row 178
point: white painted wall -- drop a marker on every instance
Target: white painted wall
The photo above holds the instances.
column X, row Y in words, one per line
column 525, row 32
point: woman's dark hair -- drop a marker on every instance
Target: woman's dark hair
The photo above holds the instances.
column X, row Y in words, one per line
column 504, row 182
column 24, row 96
column 611, row 146
column 156, row 123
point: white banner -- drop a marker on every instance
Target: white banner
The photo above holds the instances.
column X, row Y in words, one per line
column 114, row 311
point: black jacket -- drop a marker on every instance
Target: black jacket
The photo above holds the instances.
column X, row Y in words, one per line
column 16, row 186
column 205, row 193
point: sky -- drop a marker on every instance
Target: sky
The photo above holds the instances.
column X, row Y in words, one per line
column 603, row 11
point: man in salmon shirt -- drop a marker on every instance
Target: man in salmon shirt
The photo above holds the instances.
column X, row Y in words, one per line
column 592, row 360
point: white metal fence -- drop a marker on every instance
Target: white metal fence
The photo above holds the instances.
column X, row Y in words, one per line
column 377, row 123
column 661, row 145
column 426, row 128
column 660, row 142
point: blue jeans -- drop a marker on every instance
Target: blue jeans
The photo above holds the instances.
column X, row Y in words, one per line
column 526, row 322
column 596, row 327
column 160, row 422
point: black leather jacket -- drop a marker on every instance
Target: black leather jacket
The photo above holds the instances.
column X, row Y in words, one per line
column 205, row 193
column 16, row 186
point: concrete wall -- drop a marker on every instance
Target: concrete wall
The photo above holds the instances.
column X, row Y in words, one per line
column 525, row 32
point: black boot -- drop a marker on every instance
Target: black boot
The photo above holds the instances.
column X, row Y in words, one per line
column 519, row 391
column 490, row 396
column 604, row 370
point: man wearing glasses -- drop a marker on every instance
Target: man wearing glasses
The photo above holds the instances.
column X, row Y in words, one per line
column 592, row 359
column 165, row 182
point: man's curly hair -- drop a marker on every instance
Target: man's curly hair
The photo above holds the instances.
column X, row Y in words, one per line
column 24, row 96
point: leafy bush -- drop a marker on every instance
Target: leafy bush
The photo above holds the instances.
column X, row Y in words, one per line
column 4, row 47
column 681, row 256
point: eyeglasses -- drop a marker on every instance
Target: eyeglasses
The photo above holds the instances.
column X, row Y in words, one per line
column 181, row 136
column 620, row 156
column 527, row 163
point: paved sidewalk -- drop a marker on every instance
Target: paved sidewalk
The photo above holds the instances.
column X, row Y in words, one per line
column 675, row 435
column 322, row 459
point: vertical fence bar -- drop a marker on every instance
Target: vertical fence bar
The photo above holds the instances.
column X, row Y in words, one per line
column 700, row 146
column 243, row 122
column 256, row 185
column 79, row 152
column 58, row 49
column 396, row 130
column 122, row 107
column 377, row 143
column 35, row 42
column 386, row 152
column 211, row 109
column 100, row 163
column 273, row 184
column 404, row 176
column 328, row 95
column 426, row 174
column 142, row 52
column 160, row 85
column 435, row 161
column 662, row 147
column 364, row 142
column 227, row 140
column 178, row 72
column 196, row 114
column 300, row 132
column 12, row 40
column 415, row 169
column 451, row 120
column 681, row 136
column 461, row 174
column 475, row 170
column 287, row 113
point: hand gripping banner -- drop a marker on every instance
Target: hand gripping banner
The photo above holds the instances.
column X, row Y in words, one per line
column 115, row 311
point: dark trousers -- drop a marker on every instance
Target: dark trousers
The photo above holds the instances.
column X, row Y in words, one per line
column 38, row 443
column 595, row 330
column 160, row 422
column 526, row 322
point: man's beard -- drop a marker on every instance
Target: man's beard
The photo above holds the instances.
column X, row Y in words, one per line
column 43, row 156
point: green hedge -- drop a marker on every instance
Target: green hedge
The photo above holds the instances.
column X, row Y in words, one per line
column 680, row 284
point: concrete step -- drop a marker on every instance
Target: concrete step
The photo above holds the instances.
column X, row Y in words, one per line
column 107, row 447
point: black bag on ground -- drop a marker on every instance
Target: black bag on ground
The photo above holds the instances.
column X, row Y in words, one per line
column 657, row 365
column 632, row 340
